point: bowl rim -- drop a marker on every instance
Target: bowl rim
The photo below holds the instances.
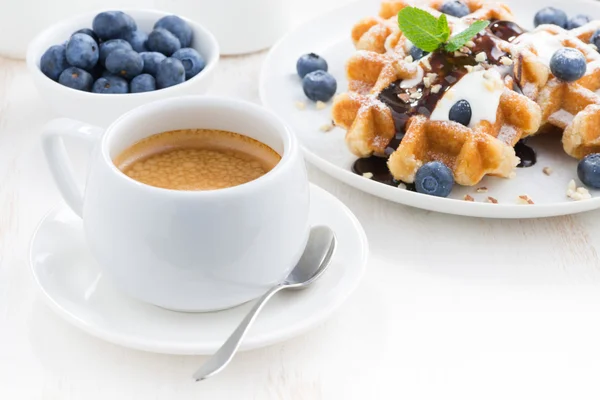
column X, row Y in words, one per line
column 35, row 51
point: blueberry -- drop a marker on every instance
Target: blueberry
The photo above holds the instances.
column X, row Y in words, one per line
column 460, row 112
column 54, row 62
column 550, row 15
column 577, row 21
column 125, row 63
column 434, row 178
column 107, row 47
column 111, row 84
column 163, row 41
column 416, row 53
column 309, row 63
column 588, row 171
column 170, row 72
column 177, row 27
column 113, row 25
column 82, row 51
column 192, row 61
column 319, row 85
column 595, row 39
column 90, row 33
column 143, row 83
column 137, row 40
column 568, row 64
column 76, row 78
column 455, row 8
column 151, row 61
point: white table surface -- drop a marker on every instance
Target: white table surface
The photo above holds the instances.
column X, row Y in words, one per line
column 450, row 307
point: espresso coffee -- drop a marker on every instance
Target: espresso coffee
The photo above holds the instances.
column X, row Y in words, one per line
column 197, row 159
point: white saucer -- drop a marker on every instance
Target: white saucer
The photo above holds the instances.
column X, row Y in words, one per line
column 71, row 283
column 329, row 36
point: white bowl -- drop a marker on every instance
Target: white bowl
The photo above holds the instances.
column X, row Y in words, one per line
column 102, row 109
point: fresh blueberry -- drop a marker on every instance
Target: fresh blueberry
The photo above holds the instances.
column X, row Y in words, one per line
column 460, row 112
column 137, row 40
column 151, row 61
column 416, row 53
column 113, row 25
column 577, row 21
column 319, row 86
column 82, row 51
column 192, row 61
column 163, row 41
column 76, row 78
column 310, row 62
column 107, row 47
column 455, row 8
column 177, row 27
column 595, row 39
column 568, row 64
column 550, row 15
column 125, row 63
column 90, row 33
column 54, row 62
column 434, row 178
column 170, row 72
column 111, row 84
column 143, row 83
column 588, row 171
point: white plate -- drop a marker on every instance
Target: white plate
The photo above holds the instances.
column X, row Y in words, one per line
column 73, row 286
column 329, row 35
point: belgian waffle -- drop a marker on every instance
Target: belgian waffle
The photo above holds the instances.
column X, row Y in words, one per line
column 572, row 106
column 386, row 119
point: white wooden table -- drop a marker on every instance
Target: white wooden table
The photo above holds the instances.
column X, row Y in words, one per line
column 450, row 307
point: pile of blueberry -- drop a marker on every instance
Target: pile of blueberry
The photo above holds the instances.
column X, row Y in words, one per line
column 554, row 16
column 318, row 84
column 116, row 57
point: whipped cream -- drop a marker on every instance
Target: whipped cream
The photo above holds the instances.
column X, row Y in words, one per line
column 544, row 43
column 482, row 89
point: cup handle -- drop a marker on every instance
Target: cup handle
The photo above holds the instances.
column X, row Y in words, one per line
column 58, row 159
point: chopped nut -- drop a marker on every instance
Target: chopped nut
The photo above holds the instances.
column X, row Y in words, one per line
column 468, row 198
column 436, row 88
column 368, row 175
column 577, row 193
column 408, row 59
column 416, row 95
column 300, row 105
column 427, row 82
column 321, row 105
column 326, row 127
column 548, row 171
column 482, row 189
column 469, row 68
column 401, row 185
column 425, row 62
column 470, row 43
column 459, row 54
column 506, row 61
column 404, row 97
column 432, row 76
column 492, row 200
column 481, row 57
column 465, row 50
column 524, row 199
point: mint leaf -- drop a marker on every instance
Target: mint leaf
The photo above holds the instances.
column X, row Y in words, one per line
column 459, row 40
column 423, row 29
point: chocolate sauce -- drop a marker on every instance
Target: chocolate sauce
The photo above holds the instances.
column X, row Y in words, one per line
column 449, row 68
column 526, row 154
column 506, row 30
column 378, row 167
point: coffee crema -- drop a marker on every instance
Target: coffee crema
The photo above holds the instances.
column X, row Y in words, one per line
column 197, row 159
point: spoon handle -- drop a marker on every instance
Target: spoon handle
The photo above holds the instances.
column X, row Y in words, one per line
column 223, row 356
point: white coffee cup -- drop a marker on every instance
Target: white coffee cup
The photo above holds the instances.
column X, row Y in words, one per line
column 187, row 250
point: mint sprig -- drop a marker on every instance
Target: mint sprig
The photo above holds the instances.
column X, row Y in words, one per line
column 430, row 34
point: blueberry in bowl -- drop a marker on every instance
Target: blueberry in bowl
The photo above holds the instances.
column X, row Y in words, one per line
column 112, row 45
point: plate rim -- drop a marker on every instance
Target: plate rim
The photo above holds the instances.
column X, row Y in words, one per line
column 206, row 348
column 409, row 198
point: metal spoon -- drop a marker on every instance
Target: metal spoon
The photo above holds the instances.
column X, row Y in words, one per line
column 315, row 259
